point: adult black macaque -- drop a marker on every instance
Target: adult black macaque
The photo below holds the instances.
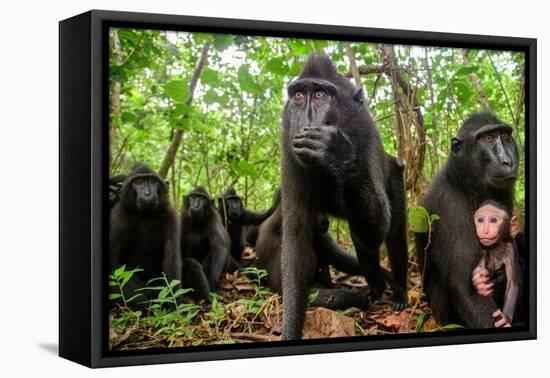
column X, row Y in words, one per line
column 204, row 239
column 498, row 272
column 482, row 165
column 333, row 162
column 327, row 252
column 143, row 229
column 235, row 216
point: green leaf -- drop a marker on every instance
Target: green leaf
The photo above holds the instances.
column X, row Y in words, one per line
column 210, row 97
column 222, row 41
column 312, row 297
column 247, row 82
column 133, row 297
column 420, row 321
column 245, row 168
column 118, row 73
column 177, row 90
column 182, row 109
column 466, row 70
column 119, row 271
column 277, row 66
column 210, row 77
column 115, row 296
column 434, row 217
column 180, row 292
column 418, row 218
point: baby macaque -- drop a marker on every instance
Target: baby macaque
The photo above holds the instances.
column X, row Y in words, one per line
column 497, row 273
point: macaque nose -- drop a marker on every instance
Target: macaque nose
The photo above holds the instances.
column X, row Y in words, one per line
column 486, row 228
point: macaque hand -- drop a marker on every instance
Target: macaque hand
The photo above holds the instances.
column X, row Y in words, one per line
column 502, row 321
column 482, row 282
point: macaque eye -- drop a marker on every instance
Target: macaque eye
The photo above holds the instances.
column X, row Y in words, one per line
column 479, row 220
column 319, row 95
column 494, row 220
column 503, row 136
column 299, row 97
column 489, row 138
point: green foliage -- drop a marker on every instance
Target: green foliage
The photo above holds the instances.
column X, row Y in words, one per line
column 231, row 131
column 117, row 280
column 420, row 219
column 177, row 90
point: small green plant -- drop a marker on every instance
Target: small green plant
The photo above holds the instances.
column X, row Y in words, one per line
column 168, row 313
column 256, row 276
column 421, row 221
column 118, row 279
column 217, row 311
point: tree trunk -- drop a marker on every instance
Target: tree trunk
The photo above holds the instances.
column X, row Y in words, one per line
column 409, row 120
column 178, row 134
column 115, row 97
column 435, row 142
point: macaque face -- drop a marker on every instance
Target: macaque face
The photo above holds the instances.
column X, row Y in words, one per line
column 489, row 220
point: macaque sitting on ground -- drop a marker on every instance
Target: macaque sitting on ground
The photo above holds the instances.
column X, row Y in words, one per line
column 497, row 273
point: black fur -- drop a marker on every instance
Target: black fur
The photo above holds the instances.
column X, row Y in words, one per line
column 204, row 239
column 475, row 171
column 334, row 163
column 327, row 252
column 143, row 229
column 235, row 217
column 115, row 184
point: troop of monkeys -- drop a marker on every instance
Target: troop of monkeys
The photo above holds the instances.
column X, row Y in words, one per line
column 333, row 163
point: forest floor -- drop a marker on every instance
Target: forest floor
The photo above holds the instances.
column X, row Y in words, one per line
column 243, row 311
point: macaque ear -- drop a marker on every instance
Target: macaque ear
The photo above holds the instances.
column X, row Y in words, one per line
column 358, row 96
column 514, row 226
column 456, row 145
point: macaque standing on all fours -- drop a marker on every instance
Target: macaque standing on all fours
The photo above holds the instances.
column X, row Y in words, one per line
column 497, row 274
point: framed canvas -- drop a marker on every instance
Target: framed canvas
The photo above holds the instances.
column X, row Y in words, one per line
column 235, row 188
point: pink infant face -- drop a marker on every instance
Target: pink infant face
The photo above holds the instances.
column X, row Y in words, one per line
column 488, row 220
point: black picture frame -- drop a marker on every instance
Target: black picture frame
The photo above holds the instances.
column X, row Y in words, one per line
column 83, row 112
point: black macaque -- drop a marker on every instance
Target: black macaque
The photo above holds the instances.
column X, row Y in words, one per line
column 497, row 274
column 327, row 252
column 333, row 162
column 482, row 165
column 143, row 230
column 235, row 217
column 115, row 185
column 205, row 240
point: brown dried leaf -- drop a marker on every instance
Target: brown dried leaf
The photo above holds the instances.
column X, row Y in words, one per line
column 354, row 281
column 225, row 285
column 430, row 324
column 323, row 323
column 274, row 323
column 414, row 297
column 392, row 321
column 244, row 287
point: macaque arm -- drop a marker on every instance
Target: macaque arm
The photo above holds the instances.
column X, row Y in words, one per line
column 511, row 300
